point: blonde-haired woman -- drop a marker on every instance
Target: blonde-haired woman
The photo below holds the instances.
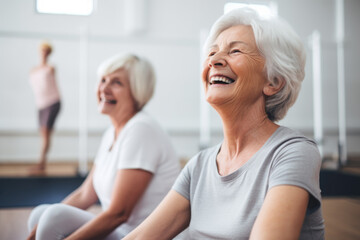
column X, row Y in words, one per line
column 47, row 99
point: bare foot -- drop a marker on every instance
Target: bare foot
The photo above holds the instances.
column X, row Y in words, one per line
column 37, row 170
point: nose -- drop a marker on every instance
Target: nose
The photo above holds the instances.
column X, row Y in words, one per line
column 104, row 86
column 217, row 60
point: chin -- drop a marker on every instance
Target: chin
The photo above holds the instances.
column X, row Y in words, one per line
column 215, row 99
column 103, row 111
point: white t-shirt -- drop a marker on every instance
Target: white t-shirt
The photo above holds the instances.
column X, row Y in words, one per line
column 142, row 144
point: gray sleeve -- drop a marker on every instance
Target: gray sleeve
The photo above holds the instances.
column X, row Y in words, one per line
column 183, row 181
column 298, row 163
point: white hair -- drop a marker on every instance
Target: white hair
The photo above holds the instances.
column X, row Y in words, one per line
column 141, row 75
column 282, row 49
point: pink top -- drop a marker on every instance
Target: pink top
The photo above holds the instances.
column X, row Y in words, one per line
column 43, row 83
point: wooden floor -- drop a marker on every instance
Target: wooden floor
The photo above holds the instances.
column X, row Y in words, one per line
column 342, row 215
column 53, row 169
column 342, row 218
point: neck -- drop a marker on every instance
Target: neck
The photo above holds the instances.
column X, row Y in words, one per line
column 246, row 129
column 120, row 121
column 44, row 61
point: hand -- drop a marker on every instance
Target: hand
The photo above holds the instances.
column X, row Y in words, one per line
column 32, row 234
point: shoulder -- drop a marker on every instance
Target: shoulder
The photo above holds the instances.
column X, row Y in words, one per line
column 291, row 146
column 144, row 124
column 199, row 161
column 142, row 132
column 198, row 167
column 52, row 68
column 35, row 69
column 286, row 137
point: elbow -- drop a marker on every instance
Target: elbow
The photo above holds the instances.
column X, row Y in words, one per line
column 118, row 218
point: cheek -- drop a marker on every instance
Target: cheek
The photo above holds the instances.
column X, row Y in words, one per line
column 97, row 93
column 205, row 71
column 250, row 76
column 124, row 95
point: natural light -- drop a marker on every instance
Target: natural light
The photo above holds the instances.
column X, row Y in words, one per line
column 264, row 10
column 69, row 7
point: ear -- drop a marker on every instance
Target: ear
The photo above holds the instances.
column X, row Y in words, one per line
column 273, row 87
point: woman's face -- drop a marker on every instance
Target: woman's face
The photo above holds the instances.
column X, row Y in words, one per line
column 233, row 70
column 44, row 52
column 114, row 94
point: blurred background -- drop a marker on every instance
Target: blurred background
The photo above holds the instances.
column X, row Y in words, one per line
column 170, row 34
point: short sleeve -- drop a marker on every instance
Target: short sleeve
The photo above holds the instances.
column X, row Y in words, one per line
column 183, row 181
column 298, row 163
column 140, row 148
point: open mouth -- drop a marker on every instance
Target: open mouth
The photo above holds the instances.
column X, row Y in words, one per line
column 110, row 101
column 221, row 80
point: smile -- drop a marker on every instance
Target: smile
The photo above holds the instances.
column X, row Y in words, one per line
column 221, row 80
column 108, row 101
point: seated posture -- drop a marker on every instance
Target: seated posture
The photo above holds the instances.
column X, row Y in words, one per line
column 134, row 168
column 262, row 180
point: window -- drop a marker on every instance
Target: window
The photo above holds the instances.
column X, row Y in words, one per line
column 264, row 10
column 69, row 7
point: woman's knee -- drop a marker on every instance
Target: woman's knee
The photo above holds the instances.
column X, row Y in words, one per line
column 54, row 222
column 57, row 213
column 60, row 220
column 36, row 214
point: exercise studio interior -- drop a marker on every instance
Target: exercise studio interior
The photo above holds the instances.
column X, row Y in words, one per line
column 110, row 107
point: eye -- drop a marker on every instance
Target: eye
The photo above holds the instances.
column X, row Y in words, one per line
column 118, row 82
column 102, row 80
column 212, row 53
column 115, row 81
column 235, row 51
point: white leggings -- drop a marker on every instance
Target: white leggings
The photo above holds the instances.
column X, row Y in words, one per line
column 57, row 221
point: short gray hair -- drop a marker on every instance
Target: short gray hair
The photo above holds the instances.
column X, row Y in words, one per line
column 282, row 49
column 141, row 75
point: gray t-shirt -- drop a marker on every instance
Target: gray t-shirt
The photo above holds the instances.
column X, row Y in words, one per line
column 226, row 207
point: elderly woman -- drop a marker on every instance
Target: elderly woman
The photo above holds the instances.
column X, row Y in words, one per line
column 134, row 169
column 262, row 181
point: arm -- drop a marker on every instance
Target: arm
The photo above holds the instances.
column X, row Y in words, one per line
column 282, row 214
column 84, row 196
column 129, row 186
column 168, row 219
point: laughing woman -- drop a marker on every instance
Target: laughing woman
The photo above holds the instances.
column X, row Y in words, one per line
column 134, row 169
column 262, row 180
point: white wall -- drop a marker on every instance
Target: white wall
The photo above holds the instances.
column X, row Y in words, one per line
column 171, row 43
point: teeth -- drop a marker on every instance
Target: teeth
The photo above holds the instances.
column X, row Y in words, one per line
column 108, row 100
column 221, row 79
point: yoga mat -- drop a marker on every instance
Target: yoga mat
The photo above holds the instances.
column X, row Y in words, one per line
column 32, row 191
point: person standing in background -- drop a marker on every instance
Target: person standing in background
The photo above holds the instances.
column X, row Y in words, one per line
column 47, row 99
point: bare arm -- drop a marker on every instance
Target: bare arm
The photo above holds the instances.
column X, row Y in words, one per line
column 84, row 196
column 129, row 186
column 282, row 214
column 168, row 219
